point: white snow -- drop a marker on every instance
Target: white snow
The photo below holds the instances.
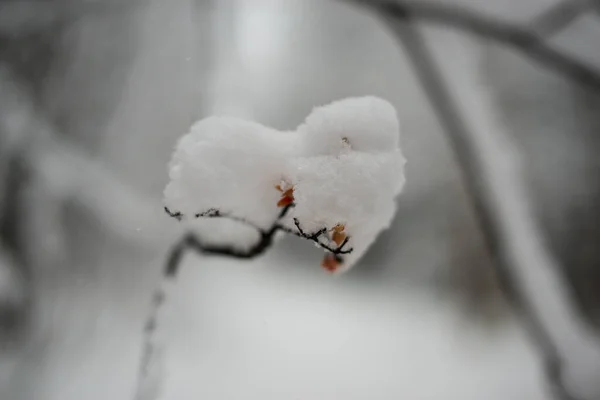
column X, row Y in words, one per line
column 369, row 123
column 227, row 164
column 343, row 163
column 256, row 331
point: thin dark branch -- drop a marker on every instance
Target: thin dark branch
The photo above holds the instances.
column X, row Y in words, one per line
column 309, row 236
column 529, row 43
column 171, row 269
column 342, row 245
column 145, row 389
column 191, row 242
column 173, row 214
column 215, row 213
column 465, row 151
column 314, row 237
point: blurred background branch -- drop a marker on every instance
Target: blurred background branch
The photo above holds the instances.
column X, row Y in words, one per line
column 522, row 39
column 472, row 162
column 497, row 206
column 559, row 16
column 69, row 173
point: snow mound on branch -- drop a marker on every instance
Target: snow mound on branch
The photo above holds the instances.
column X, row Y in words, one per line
column 342, row 169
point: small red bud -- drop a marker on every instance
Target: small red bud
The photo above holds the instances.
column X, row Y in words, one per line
column 330, row 262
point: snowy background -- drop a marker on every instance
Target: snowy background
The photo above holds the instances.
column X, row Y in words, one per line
column 93, row 95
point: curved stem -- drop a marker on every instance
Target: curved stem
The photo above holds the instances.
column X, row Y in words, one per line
column 192, row 242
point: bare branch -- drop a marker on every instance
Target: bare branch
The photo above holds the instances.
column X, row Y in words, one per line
column 190, row 241
column 529, row 43
column 215, row 213
column 172, row 265
column 148, row 382
column 314, row 237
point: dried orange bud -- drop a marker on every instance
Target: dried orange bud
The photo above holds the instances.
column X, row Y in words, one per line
column 285, row 201
column 338, row 228
column 287, row 196
column 338, row 237
column 330, row 262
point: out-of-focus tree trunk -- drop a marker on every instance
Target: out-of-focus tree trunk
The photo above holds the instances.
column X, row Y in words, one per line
column 556, row 125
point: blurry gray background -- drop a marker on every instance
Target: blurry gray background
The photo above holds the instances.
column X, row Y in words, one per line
column 93, row 95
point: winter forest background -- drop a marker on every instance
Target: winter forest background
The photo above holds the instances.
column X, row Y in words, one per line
column 93, row 95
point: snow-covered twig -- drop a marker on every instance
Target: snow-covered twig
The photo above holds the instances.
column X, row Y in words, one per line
column 149, row 375
column 214, row 213
column 332, row 181
column 525, row 40
column 314, row 237
column 341, row 169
